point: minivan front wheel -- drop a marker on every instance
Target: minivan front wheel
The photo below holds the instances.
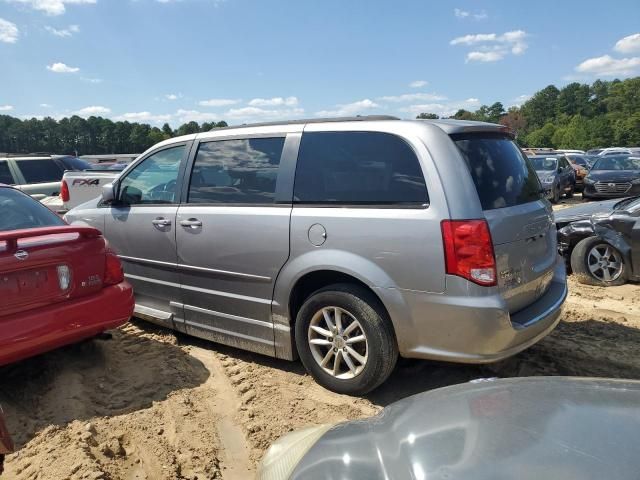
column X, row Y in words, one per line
column 345, row 340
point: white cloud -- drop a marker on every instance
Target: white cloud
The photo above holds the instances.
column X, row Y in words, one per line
column 185, row 116
column 466, row 14
column 8, row 31
column 173, row 96
column 249, row 114
column 628, row 44
column 60, row 67
column 45, row 105
column 412, row 97
column 610, row 67
column 484, row 56
column 91, row 80
column 418, row 84
column 52, row 7
column 6, row 108
column 92, row 110
column 474, row 39
column 491, row 47
column 520, row 99
column 143, row 117
column 445, row 109
column 274, row 102
column 349, row 109
column 64, row 32
column 218, row 102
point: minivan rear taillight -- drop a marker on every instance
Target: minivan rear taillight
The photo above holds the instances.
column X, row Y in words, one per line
column 64, row 191
column 468, row 250
column 113, row 273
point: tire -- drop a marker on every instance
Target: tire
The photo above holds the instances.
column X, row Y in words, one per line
column 588, row 271
column 556, row 194
column 379, row 349
column 570, row 193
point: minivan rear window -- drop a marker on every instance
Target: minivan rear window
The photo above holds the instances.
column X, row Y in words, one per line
column 502, row 174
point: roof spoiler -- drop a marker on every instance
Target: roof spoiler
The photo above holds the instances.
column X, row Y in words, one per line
column 11, row 237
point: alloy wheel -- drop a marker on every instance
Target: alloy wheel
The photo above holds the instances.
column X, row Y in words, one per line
column 338, row 342
column 604, row 262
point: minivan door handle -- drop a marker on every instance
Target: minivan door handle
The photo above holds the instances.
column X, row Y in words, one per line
column 191, row 223
column 161, row 222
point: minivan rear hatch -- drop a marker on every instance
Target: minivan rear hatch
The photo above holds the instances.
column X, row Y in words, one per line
column 520, row 220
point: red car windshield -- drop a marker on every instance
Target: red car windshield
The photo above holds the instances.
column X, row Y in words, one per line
column 18, row 211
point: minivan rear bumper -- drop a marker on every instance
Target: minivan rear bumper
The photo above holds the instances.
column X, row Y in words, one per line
column 467, row 328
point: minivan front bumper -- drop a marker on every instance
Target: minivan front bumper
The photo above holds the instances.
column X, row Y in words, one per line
column 471, row 328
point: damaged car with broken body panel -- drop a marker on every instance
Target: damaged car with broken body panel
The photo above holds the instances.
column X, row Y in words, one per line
column 601, row 241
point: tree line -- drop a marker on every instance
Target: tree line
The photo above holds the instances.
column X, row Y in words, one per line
column 91, row 136
column 602, row 114
column 580, row 116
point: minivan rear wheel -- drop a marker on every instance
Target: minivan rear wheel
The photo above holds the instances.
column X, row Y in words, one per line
column 345, row 340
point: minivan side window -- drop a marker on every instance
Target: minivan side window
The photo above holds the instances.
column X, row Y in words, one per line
column 5, row 173
column 153, row 181
column 358, row 168
column 242, row 171
column 40, row 171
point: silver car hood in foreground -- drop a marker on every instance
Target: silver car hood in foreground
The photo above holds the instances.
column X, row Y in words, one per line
column 525, row 428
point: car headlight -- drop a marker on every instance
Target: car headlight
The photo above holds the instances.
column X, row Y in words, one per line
column 284, row 454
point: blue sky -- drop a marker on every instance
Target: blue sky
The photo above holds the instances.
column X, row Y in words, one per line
column 242, row 60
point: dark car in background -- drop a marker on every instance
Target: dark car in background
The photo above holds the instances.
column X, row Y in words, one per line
column 556, row 175
column 613, row 176
column 601, row 240
column 518, row 428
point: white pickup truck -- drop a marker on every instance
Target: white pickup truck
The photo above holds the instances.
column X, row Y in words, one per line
column 79, row 187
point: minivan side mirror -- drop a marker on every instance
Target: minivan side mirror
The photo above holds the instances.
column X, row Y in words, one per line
column 108, row 193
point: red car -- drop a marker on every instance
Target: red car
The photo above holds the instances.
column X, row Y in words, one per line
column 58, row 283
column 6, row 445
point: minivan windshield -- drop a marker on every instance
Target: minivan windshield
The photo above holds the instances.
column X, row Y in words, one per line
column 502, row 174
column 542, row 164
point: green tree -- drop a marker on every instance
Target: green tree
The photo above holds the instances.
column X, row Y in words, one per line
column 543, row 137
column 427, row 116
column 463, row 114
column 541, row 107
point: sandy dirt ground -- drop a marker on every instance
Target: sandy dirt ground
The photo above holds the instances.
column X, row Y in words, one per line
column 149, row 404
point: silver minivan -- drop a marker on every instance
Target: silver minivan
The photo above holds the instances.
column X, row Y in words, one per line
column 346, row 242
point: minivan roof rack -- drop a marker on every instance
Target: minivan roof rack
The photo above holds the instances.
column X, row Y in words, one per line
column 358, row 118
